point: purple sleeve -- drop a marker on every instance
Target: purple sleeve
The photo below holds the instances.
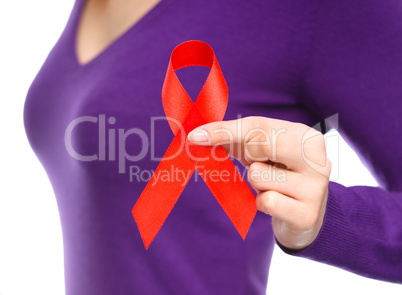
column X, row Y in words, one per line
column 362, row 233
column 355, row 71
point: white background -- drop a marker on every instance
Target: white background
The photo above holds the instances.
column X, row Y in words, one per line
column 31, row 254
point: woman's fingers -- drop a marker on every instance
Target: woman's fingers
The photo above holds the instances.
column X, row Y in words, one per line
column 280, row 206
column 288, row 168
column 261, row 139
column 265, row 177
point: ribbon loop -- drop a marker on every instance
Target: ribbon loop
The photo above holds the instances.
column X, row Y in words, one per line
column 159, row 197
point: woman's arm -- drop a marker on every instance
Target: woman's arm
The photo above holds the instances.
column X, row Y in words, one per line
column 361, row 233
column 355, row 71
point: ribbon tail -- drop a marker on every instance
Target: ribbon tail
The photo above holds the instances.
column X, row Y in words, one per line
column 159, row 196
column 230, row 190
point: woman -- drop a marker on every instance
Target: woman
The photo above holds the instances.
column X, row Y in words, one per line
column 93, row 117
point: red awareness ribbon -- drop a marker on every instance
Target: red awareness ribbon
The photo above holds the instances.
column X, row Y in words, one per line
column 159, row 197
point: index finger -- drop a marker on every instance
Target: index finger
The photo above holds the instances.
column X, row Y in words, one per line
column 260, row 139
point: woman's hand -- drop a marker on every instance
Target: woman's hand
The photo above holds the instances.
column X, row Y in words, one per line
column 288, row 168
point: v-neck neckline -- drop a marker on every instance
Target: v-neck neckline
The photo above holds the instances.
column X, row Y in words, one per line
column 116, row 41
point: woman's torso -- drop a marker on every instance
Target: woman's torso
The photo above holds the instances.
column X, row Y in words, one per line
column 260, row 46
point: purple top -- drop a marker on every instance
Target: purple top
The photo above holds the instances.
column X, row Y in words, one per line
column 295, row 60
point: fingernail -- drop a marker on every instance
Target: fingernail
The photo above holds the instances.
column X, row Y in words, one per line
column 198, row 136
